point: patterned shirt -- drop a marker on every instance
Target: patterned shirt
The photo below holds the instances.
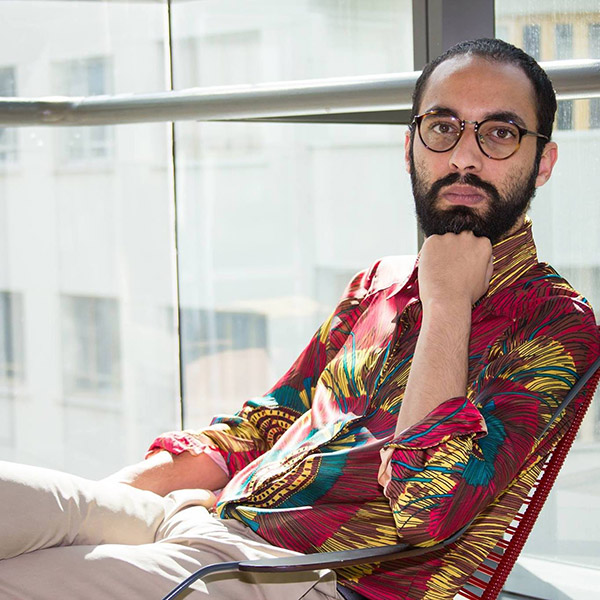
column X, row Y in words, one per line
column 304, row 458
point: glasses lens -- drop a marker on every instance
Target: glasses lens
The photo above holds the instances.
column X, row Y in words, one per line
column 439, row 132
column 498, row 139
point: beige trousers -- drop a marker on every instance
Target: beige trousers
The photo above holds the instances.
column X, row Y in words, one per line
column 62, row 536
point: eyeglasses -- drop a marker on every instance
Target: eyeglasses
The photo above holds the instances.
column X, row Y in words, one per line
column 498, row 140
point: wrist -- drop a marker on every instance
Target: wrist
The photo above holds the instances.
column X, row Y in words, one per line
column 453, row 308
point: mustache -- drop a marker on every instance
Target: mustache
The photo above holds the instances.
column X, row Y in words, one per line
column 468, row 179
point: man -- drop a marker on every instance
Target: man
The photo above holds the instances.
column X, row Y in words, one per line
column 417, row 406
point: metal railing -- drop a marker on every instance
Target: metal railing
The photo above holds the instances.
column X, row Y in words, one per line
column 350, row 99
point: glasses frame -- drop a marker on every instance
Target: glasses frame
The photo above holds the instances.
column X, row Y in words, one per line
column 476, row 125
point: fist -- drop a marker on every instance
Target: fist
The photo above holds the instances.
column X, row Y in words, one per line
column 455, row 268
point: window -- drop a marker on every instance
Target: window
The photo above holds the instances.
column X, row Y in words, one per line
column 85, row 77
column 8, row 136
column 564, row 114
column 209, row 332
column 563, row 50
column 563, row 41
column 11, row 338
column 595, row 113
column 594, row 40
column 594, row 52
column 532, row 40
column 91, row 347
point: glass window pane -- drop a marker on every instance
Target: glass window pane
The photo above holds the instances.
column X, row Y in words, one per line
column 268, row 240
column 219, row 42
column 86, row 244
column 274, row 219
column 565, row 215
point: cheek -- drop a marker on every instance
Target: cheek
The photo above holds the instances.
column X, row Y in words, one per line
column 509, row 179
column 430, row 165
column 425, row 169
column 513, row 173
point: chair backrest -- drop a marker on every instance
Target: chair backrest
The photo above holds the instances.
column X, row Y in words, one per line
column 487, row 581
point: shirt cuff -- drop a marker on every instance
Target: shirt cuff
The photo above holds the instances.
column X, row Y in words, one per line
column 177, row 442
column 453, row 418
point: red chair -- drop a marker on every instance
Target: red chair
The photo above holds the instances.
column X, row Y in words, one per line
column 489, row 578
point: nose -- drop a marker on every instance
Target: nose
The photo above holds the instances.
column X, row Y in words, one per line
column 466, row 155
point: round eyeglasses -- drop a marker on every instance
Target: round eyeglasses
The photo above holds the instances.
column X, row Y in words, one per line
column 497, row 139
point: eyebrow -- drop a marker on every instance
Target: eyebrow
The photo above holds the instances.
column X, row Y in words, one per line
column 505, row 115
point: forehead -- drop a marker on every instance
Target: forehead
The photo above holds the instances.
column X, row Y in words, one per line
column 474, row 87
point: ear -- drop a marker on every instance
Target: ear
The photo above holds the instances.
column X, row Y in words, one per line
column 547, row 162
column 407, row 150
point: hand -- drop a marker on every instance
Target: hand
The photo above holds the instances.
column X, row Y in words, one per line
column 455, row 268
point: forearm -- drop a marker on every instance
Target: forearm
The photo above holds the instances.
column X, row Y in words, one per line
column 439, row 366
column 164, row 472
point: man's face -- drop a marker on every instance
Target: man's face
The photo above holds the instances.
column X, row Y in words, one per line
column 462, row 189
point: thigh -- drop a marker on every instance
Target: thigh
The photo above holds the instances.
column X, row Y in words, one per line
column 144, row 572
column 103, row 572
column 150, row 571
column 216, row 540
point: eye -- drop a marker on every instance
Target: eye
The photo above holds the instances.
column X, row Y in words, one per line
column 443, row 127
column 499, row 132
column 503, row 133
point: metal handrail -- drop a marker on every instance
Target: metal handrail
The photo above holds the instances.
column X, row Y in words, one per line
column 321, row 98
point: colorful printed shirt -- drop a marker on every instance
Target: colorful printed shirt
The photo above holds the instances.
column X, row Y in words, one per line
column 304, row 458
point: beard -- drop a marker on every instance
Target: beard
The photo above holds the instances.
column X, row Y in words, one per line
column 499, row 217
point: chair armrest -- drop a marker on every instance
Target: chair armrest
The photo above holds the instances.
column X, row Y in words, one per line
column 344, row 558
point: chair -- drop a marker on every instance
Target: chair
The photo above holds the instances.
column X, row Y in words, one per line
column 489, row 578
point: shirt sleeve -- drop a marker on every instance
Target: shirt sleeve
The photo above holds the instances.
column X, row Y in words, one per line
column 178, row 442
column 447, row 468
column 260, row 423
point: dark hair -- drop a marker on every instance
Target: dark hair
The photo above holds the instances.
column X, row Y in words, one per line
column 500, row 51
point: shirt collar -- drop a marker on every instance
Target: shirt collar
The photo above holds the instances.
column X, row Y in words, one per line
column 512, row 257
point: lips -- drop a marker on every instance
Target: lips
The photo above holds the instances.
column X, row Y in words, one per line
column 465, row 195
